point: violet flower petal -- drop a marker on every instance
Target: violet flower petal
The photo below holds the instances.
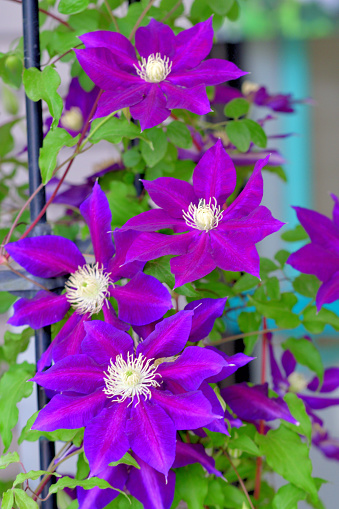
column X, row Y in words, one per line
column 206, row 311
column 217, row 425
column 152, row 435
column 318, row 403
column 288, row 362
column 193, row 99
column 118, row 44
column 111, row 317
column 149, row 246
column 71, row 344
column 193, row 45
column 210, row 72
column 104, row 342
column 328, row 292
column 232, row 363
column 44, row 309
column 96, row 212
column 309, row 259
column 105, row 439
column 172, row 195
column 320, row 228
column 152, row 220
column 152, row 110
column 123, row 241
column 114, row 100
column 186, row 454
column 330, row 383
column 47, row 255
column 335, row 209
column 215, row 175
column 155, row 38
column 96, row 498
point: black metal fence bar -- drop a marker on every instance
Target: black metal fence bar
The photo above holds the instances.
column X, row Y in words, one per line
column 34, row 142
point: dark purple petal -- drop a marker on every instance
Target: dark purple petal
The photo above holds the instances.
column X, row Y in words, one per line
column 193, row 99
column 209, row 72
column 149, row 246
column 206, row 311
column 152, row 110
column 155, row 38
column 111, row 317
column 328, row 292
column 124, row 53
column 70, row 345
column 70, row 412
column 105, row 438
column 253, row 403
column 152, row 435
column 76, row 373
column 44, row 309
column 123, row 241
column 224, row 94
column 150, row 487
column 233, row 362
column 215, row 175
column 193, row 45
column 186, row 454
column 153, row 220
column 189, row 410
column 142, row 300
column 196, row 264
column 335, row 209
column 193, row 366
column 320, row 229
column 277, row 376
column 169, row 337
column 217, row 425
column 46, row 256
column 288, row 362
column 114, row 100
column 318, row 403
column 104, row 342
column 145, row 330
column 330, row 383
column 95, row 498
column 310, row 260
column 173, row 195
column 95, row 210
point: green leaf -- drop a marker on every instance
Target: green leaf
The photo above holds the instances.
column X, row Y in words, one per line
column 234, row 498
column 249, row 322
column 297, row 409
column 258, row 135
column 6, row 301
column 131, row 157
column 246, row 444
column 161, row 270
column 267, row 266
column 287, row 455
column 315, row 321
column 43, row 85
column 63, row 435
column 7, row 500
column 237, row 107
column 153, row 154
column 287, row 497
column 124, row 203
column 273, row 288
column 11, row 69
column 113, row 129
column 244, row 283
column 215, row 495
column 298, row 233
column 87, row 484
column 24, row 501
column 33, row 475
column 221, row 7
column 281, row 256
column 191, row 486
column 14, row 344
column 53, row 142
column 72, row 6
column 11, row 457
column 239, row 134
column 179, row 134
column 127, row 459
column 306, row 354
column 7, row 140
column 278, row 311
column 13, row 387
column 234, row 12
column 307, row 285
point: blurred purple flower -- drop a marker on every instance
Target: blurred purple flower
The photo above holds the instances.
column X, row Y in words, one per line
column 170, row 74
column 321, row 256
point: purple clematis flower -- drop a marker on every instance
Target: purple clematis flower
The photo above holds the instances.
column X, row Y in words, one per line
column 89, row 286
column 215, row 236
column 131, row 398
column 170, row 74
column 321, row 256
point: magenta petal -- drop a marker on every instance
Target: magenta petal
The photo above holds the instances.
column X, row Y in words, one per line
column 254, row 227
column 95, row 210
column 151, row 488
column 152, row 110
column 70, row 412
column 330, row 383
column 76, row 373
column 155, row 38
column 232, row 363
column 193, row 45
column 152, row 220
column 169, row 337
column 189, row 410
column 142, row 300
column 310, row 260
column 118, row 44
column 149, row 246
column 46, row 256
column 196, row 264
column 206, row 311
column 104, row 342
column 328, row 292
column 335, row 209
column 215, row 175
column 111, row 317
column 218, row 425
column 152, row 435
column 288, row 362
column 318, row 403
column 192, row 99
column 123, row 241
column 320, row 228
column 193, row 366
column 172, row 195
column 105, row 438
column 96, row 498
column 44, row 309
column 115, row 100
column 186, row 454
column 210, row 72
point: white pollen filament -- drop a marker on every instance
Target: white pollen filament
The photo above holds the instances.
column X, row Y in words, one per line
column 205, row 216
column 73, row 119
column 154, row 69
column 130, row 379
column 87, row 289
column 297, row 382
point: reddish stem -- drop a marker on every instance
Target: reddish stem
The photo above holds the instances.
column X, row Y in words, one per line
column 51, row 15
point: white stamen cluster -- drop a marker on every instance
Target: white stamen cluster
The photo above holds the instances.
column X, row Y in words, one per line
column 73, row 119
column 205, row 216
column 154, row 69
column 130, row 379
column 297, row 382
column 87, row 289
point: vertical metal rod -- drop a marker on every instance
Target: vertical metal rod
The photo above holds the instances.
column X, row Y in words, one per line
column 34, row 142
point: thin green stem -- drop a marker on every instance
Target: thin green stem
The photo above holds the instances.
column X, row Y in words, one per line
column 90, row 135
column 113, row 18
column 241, row 482
column 174, row 8
column 244, row 335
column 139, row 20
